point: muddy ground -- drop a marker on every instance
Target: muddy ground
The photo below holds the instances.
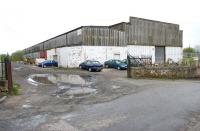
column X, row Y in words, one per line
column 73, row 100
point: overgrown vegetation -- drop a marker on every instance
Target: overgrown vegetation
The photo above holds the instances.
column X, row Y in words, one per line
column 17, row 56
column 189, row 50
column 3, row 56
column 15, row 91
column 16, row 88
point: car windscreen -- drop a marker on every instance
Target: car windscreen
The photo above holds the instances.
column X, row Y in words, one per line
column 95, row 62
column 119, row 62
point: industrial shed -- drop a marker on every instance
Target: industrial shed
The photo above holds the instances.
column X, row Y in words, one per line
column 139, row 37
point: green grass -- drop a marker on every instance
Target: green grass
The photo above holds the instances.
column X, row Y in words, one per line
column 16, row 88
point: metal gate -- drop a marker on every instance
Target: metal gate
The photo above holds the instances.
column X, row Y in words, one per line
column 6, row 74
column 138, row 62
column 159, row 54
column 2, row 70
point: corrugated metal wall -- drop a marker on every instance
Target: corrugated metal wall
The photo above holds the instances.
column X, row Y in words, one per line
column 148, row 32
column 137, row 32
column 74, row 38
column 103, row 36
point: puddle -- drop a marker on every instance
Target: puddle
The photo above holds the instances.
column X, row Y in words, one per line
column 18, row 68
column 77, row 88
column 37, row 79
column 60, row 79
column 78, row 91
column 67, row 84
column 26, row 106
column 115, row 87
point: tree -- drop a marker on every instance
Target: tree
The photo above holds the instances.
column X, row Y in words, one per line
column 189, row 50
column 3, row 56
column 17, row 56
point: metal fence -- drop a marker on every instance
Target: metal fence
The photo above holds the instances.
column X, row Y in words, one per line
column 138, row 62
column 195, row 54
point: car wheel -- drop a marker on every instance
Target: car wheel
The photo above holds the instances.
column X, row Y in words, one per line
column 118, row 68
column 90, row 69
column 80, row 67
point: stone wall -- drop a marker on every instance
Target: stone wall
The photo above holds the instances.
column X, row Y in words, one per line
column 163, row 72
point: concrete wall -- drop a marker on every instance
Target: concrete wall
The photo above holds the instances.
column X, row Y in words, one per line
column 142, row 51
column 104, row 53
column 174, row 53
column 73, row 56
column 67, row 56
column 70, row 56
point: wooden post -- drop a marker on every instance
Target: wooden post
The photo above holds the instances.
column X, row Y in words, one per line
column 128, row 67
column 9, row 76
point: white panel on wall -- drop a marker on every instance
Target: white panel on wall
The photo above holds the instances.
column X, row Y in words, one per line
column 75, row 56
column 112, row 51
column 70, row 56
column 142, row 51
column 95, row 53
column 51, row 53
column 174, row 53
column 104, row 53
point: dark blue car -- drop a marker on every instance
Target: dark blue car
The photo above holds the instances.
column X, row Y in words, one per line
column 117, row 64
column 48, row 63
column 91, row 65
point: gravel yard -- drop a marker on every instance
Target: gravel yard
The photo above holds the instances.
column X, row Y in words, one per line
column 74, row 99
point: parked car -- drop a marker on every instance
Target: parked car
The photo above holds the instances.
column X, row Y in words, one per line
column 39, row 60
column 125, row 61
column 91, row 65
column 117, row 64
column 19, row 62
column 48, row 63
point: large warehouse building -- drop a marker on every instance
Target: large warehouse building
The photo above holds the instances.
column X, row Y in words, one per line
column 139, row 37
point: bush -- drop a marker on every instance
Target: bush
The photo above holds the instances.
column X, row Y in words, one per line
column 16, row 88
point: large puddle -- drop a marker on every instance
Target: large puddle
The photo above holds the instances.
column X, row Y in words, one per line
column 67, row 84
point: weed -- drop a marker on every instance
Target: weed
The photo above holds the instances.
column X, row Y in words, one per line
column 16, row 88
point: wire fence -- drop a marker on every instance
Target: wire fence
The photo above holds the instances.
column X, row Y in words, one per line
column 186, row 59
column 191, row 59
column 187, row 54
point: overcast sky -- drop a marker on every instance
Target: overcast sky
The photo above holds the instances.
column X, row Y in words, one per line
column 27, row 22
